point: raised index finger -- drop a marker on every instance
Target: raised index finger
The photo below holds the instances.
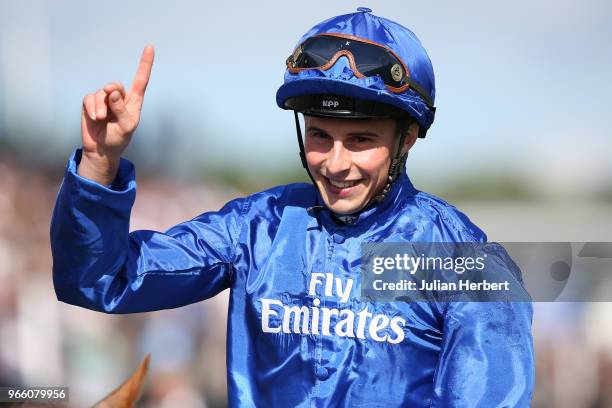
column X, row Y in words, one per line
column 139, row 85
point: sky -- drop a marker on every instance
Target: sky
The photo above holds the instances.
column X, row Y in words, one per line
column 522, row 87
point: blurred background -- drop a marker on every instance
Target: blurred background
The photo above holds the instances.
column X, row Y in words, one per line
column 521, row 143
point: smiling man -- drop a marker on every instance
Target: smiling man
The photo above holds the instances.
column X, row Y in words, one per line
column 299, row 332
column 349, row 159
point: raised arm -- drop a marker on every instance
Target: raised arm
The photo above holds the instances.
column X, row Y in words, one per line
column 97, row 263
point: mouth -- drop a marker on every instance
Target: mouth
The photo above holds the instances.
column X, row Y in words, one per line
column 341, row 188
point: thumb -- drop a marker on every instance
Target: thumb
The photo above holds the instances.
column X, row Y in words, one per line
column 117, row 106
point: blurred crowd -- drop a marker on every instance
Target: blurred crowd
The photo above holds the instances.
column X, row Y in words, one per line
column 45, row 342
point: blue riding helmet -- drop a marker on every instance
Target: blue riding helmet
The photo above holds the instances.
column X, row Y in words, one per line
column 340, row 78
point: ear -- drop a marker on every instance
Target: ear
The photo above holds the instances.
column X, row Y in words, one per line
column 412, row 133
column 126, row 395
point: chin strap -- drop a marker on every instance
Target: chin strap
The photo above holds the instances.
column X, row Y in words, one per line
column 298, row 132
column 398, row 163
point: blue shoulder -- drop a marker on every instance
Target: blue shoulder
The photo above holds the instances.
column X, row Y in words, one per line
column 277, row 198
column 438, row 210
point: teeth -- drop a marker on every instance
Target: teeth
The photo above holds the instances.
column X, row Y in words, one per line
column 342, row 184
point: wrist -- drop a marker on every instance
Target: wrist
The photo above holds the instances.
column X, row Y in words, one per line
column 99, row 168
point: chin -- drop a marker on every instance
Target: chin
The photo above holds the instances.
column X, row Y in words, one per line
column 344, row 208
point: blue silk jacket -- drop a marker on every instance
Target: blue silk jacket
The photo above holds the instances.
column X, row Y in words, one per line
column 298, row 332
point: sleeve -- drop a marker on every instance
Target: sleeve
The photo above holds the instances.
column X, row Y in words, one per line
column 99, row 265
column 487, row 357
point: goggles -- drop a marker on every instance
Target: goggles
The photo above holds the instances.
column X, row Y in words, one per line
column 366, row 58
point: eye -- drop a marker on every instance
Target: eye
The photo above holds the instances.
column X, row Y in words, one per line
column 317, row 134
column 362, row 139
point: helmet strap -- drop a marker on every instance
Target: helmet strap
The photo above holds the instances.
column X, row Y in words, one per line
column 398, row 163
column 298, row 132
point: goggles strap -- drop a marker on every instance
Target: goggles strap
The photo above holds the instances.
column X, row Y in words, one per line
column 419, row 90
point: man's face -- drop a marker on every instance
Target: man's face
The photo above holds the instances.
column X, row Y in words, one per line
column 349, row 159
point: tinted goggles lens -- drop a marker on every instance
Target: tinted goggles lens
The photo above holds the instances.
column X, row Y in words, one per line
column 369, row 59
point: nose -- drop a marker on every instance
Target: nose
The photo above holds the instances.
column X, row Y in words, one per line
column 338, row 160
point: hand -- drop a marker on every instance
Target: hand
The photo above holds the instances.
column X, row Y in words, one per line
column 108, row 120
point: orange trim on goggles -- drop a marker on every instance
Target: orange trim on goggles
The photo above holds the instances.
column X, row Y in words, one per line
column 394, row 70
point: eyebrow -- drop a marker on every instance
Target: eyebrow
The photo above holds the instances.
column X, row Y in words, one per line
column 363, row 133
column 315, row 129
